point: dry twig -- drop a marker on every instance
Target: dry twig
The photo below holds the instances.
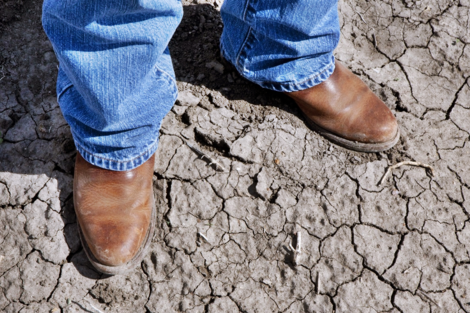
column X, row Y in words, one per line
column 84, row 308
column 203, row 237
column 361, row 17
column 209, row 160
column 318, row 283
column 374, row 40
column 413, row 163
column 298, row 248
column 95, row 308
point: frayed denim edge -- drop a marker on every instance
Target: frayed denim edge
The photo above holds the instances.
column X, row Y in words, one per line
column 118, row 165
column 311, row 81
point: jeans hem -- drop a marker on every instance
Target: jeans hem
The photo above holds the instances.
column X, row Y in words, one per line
column 114, row 165
column 309, row 82
column 113, row 162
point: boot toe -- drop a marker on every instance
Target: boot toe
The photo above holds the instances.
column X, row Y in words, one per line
column 114, row 243
column 379, row 125
column 345, row 111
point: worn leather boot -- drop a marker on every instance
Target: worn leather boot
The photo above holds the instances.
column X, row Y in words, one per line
column 116, row 214
column 345, row 111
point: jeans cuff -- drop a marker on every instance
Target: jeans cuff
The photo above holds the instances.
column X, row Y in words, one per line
column 122, row 165
column 302, row 85
column 291, row 86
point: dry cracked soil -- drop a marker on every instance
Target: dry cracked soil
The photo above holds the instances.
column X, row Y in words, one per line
column 224, row 236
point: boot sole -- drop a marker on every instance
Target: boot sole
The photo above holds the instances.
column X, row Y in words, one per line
column 351, row 144
column 139, row 256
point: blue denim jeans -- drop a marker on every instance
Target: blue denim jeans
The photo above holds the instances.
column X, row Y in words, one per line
column 116, row 81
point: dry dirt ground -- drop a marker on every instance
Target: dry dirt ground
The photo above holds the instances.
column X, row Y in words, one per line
column 223, row 239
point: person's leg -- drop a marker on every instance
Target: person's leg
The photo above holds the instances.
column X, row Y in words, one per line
column 116, row 81
column 115, row 85
column 287, row 46
column 283, row 45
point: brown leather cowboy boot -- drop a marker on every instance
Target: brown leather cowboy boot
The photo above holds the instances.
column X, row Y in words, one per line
column 345, row 111
column 116, row 214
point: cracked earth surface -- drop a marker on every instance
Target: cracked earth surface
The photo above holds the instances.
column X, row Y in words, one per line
column 223, row 239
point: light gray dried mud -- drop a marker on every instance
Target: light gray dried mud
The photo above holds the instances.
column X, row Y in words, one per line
column 223, row 241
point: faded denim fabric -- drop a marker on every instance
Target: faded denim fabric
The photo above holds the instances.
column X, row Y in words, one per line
column 116, row 81
column 282, row 45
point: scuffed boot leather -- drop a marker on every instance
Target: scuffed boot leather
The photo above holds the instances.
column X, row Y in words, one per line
column 116, row 214
column 344, row 110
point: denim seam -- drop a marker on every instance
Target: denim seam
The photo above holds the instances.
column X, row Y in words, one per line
column 248, row 34
column 242, row 46
column 155, row 142
column 167, row 74
column 245, row 11
column 291, row 86
column 67, row 87
column 296, row 83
